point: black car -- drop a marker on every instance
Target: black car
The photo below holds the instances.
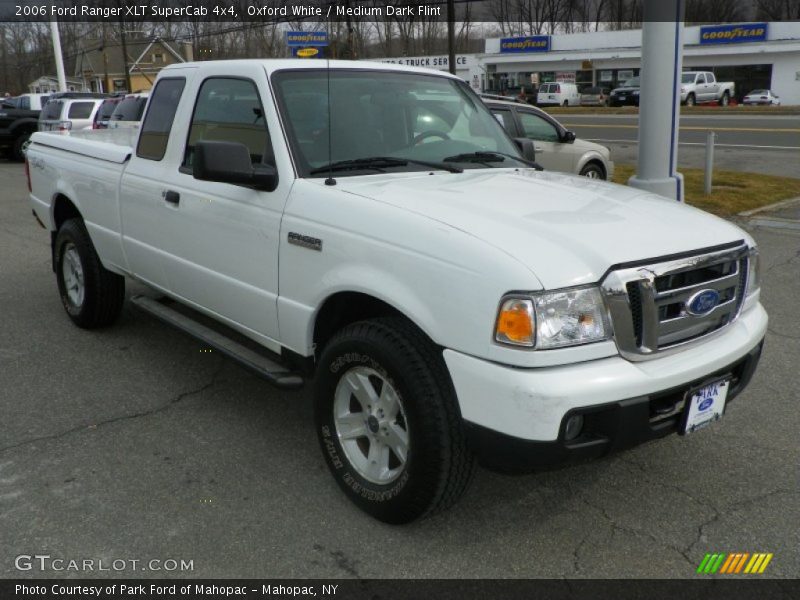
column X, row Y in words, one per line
column 16, row 126
column 626, row 95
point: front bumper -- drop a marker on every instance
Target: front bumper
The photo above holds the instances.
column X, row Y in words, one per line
column 626, row 101
column 516, row 418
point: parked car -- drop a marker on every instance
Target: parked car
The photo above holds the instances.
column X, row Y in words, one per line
column 16, row 126
column 104, row 112
column 558, row 94
column 702, row 87
column 487, row 96
column 128, row 113
column 762, row 97
column 67, row 114
column 445, row 299
column 594, row 96
column 29, row 101
column 625, row 95
column 557, row 148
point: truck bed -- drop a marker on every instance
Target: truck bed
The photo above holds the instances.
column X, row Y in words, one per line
column 112, row 145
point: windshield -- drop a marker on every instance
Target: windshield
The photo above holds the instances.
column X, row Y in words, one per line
column 632, row 82
column 758, row 92
column 688, row 78
column 407, row 116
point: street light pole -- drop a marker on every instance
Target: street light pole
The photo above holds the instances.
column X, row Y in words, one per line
column 62, row 80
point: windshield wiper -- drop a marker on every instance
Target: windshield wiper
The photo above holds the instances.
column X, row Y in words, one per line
column 489, row 156
column 381, row 162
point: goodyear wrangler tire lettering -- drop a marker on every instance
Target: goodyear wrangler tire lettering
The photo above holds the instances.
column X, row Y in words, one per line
column 388, row 421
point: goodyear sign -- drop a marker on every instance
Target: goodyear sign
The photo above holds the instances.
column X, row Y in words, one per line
column 308, row 52
column 528, row 43
column 733, row 34
column 306, row 38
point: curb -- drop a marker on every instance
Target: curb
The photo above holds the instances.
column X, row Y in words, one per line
column 777, row 205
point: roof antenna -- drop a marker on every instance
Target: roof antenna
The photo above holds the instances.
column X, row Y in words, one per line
column 330, row 180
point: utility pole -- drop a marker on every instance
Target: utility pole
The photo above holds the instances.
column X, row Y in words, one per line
column 125, row 55
column 62, row 80
column 451, row 36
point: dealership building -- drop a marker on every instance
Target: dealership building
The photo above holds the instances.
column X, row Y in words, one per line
column 752, row 55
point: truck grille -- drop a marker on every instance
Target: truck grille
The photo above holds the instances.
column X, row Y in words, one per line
column 660, row 305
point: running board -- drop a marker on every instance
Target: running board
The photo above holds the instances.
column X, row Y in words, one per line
column 273, row 372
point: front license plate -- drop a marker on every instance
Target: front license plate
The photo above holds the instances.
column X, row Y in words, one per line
column 705, row 405
column 622, row 97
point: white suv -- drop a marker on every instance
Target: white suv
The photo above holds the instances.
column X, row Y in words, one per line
column 68, row 114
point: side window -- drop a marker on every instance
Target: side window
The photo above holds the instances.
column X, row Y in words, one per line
column 506, row 120
column 229, row 110
column 710, row 78
column 158, row 121
column 25, row 103
column 701, row 78
column 537, row 128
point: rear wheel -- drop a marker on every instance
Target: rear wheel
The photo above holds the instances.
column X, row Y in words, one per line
column 388, row 421
column 566, row 102
column 726, row 99
column 91, row 295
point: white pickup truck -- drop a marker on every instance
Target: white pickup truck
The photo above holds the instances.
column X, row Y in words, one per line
column 702, row 87
column 373, row 227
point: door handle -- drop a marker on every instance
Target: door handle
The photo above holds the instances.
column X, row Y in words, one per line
column 172, row 197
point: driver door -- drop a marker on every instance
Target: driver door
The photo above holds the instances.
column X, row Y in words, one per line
column 551, row 152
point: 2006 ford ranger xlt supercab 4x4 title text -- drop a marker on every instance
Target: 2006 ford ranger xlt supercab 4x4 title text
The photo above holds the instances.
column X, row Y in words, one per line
column 373, row 226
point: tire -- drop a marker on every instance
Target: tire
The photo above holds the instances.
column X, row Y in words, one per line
column 418, row 406
column 19, row 142
column 690, row 101
column 592, row 170
column 91, row 295
column 566, row 103
column 726, row 99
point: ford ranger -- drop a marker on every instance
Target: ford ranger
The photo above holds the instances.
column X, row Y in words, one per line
column 372, row 228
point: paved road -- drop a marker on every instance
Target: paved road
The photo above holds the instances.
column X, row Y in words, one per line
column 133, row 444
column 767, row 144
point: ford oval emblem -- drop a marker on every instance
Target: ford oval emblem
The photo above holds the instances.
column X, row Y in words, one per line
column 705, row 404
column 702, row 303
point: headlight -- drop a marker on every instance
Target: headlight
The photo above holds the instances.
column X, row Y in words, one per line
column 553, row 319
column 635, row 92
column 753, row 272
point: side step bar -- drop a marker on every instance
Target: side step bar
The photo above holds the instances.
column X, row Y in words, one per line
column 275, row 373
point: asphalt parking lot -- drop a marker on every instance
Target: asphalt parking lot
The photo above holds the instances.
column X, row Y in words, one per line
column 134, row 444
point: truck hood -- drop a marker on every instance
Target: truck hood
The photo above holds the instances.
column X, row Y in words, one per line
column 567, row 230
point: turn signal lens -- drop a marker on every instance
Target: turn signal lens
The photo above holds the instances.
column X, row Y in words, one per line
column 515, row 323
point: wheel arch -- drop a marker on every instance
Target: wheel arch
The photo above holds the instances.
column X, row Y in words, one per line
column 348, row 306
column 596, row 159
column 62, row 209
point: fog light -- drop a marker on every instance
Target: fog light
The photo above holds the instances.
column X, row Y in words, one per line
column 574, row 427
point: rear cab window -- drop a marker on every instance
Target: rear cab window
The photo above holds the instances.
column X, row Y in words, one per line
column 158, row 120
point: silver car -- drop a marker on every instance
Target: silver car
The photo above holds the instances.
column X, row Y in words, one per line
column 557, row 148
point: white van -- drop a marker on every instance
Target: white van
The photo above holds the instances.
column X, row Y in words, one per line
column 558, row 94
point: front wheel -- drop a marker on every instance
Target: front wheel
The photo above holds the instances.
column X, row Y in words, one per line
column 690, row 101
column 91, row 295
column 593, row 171
column 388, row 421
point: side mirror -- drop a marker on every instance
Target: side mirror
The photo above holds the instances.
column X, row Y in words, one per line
column 568, row 137
column 229, row 162
column 526, row 148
